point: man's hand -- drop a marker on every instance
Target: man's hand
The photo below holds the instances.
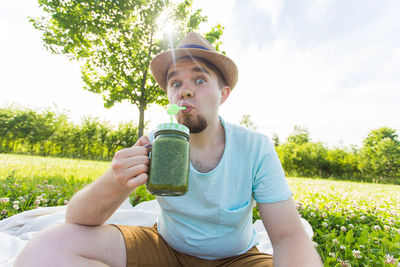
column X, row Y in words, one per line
column 130, row 165
column 94, row 204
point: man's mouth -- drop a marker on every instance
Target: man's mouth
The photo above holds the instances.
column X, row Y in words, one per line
column 187, row 109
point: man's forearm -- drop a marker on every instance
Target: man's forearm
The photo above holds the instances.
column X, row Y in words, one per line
column 94, row 204
column 296, row 251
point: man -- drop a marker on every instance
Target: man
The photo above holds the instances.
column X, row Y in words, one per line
column 211, row 225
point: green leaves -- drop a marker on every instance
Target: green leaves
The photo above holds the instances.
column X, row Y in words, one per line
column 349, row 237
column 364, row 237
column 377, row 161
column 115, row 42
column 50, row 133
column 354, row 223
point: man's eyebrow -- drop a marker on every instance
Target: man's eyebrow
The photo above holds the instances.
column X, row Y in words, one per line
column 172, row 73
column 194, row 69
column 200, row 69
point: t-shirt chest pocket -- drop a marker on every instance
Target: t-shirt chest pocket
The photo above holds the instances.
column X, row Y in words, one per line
column 232, row 218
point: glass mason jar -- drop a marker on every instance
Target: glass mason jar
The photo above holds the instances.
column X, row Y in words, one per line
column 169, row 160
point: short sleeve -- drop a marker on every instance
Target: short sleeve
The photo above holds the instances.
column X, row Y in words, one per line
column 269, row 181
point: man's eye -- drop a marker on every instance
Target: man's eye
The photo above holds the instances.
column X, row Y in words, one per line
column 200, row 81
column 176, row 84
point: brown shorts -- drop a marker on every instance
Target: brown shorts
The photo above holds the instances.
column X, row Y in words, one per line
column 146, row 247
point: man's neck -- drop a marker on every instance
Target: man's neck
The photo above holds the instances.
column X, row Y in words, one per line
column 207, row 147
column 214, row 133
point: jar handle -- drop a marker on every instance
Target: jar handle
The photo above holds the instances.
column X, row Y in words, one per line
column 149, row 146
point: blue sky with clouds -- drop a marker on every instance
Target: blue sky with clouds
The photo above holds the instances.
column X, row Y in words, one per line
column 332, row 66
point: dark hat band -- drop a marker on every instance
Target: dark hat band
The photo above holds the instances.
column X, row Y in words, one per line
column 194, row 46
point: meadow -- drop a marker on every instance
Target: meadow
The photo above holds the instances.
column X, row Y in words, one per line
column 355, row 224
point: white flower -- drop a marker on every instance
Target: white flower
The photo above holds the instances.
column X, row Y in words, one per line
column 344, row 263
column 323, row 215
column 376, row 227
column 16, row 202
column 16, row 207
column 324, row 224
column 50, row 186
column 331, row 254
column 315, row 244
column 357, row 254
column 386, row 227
column 4, row 200
column 343, row 229
column 363, row 217
column 342, row 247
column 389, row 259
column 335, row 241
column 351, row 226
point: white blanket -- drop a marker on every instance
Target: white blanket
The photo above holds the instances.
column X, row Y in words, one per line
column 17, row 230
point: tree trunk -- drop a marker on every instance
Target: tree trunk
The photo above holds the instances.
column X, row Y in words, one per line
column 141, row 120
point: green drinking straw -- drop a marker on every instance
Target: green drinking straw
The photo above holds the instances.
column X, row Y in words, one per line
column 173, row 109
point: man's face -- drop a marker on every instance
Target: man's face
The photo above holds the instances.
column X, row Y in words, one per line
column 193, row 85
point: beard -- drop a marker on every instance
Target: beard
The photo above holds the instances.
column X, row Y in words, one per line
column 195, row 124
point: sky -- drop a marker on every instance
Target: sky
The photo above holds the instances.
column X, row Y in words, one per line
column 330, row 66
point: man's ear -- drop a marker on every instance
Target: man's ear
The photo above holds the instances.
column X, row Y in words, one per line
column 224, row 94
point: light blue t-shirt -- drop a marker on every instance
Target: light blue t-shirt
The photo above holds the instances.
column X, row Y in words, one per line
column 213, row 220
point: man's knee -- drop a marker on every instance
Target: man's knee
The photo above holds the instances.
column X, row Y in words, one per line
column 50, row 244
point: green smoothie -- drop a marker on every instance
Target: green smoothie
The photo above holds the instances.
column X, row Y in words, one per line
column 169, row 165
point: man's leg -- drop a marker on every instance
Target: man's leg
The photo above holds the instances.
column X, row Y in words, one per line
column 252, row 258
column 75, row 245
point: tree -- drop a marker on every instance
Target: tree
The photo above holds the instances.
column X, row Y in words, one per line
column 6, row 116
column 115, row 42
column 300, row 136
column 89, row 131
column 380, row 156
column 247, row 122
column 275, row 139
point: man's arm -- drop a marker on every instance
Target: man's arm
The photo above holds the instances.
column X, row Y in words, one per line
column 95, row 203
column 291, row 244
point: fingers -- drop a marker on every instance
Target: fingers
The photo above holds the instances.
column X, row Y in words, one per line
column 130, row 165
column 144, row 140
column 126, row 163
column 139, row 180
column 132, row 176
column 131, row 152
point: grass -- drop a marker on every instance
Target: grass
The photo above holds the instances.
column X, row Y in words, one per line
column 355, row 224
column 28, row 182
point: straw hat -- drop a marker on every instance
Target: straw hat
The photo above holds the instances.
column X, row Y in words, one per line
column 193, row 45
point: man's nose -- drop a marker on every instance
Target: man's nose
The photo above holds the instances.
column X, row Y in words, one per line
column 187, row 93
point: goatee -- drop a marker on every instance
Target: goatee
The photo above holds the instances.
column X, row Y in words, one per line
column 195, row 125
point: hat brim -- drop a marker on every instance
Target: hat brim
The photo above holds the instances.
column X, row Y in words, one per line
column 160, row 64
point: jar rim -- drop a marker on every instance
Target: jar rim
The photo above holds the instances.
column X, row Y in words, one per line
column 174, row 127
column 172, row 131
